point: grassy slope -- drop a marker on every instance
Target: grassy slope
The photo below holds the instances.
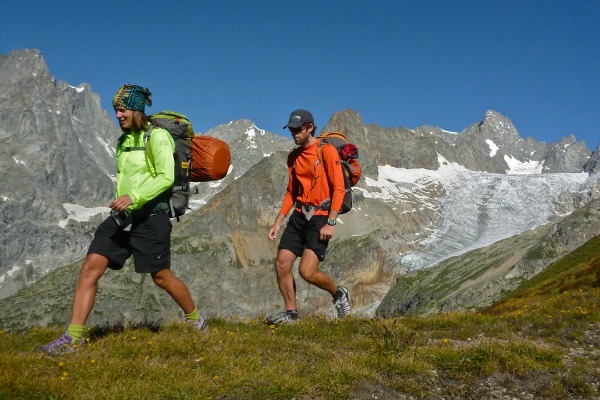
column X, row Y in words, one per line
column 541, row 342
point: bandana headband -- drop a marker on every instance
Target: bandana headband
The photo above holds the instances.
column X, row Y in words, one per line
column 132, row 97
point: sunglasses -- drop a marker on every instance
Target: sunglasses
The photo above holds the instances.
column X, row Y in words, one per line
column 293, row 131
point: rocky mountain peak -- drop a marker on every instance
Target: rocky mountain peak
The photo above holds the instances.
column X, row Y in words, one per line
column 248, row 143
column 495, row 127
column 568, row 155
column 56, row 151
column 21, row 65
column 345, row 118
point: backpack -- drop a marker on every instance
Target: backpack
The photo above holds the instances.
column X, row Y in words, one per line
column 349, row 159
column 350, row 167
column 197, row 158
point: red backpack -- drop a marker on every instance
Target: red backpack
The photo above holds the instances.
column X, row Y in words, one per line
column 350, row 167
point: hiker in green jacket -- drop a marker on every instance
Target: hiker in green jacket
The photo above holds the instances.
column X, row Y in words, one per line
column 139, row 223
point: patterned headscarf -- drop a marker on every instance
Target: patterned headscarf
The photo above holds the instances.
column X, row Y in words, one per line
column 132, row 97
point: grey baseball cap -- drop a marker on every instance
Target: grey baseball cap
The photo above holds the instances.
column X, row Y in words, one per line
column 299, row 118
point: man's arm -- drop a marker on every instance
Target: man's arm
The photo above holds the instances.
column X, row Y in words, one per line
column 288, row 200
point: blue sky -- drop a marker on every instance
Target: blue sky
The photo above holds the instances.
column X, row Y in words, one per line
column 397, row 63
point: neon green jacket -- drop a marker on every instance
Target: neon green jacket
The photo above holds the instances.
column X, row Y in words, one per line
column 144, row 175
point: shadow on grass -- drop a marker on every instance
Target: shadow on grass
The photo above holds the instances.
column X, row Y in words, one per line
column 98, row 332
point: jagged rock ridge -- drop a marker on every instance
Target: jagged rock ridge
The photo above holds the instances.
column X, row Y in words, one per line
column 55, row 142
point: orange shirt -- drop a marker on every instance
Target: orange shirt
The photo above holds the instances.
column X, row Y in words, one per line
column 310, row 185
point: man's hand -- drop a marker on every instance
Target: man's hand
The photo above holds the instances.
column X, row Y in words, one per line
column 326, row 232
column 275, row 228
column 273, row 231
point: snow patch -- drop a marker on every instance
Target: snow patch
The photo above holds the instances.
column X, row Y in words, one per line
column 251, row 133
column 516, row 167
column 18, row 161
column 196, row 204
column 389, row 177
column 78, row 89
column 402, row 184
column 10, row 273
column 107, row 146
column 80, row 213
column 493, row 147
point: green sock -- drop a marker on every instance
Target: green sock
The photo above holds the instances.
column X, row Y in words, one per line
column 76, row 332
column 194, row 315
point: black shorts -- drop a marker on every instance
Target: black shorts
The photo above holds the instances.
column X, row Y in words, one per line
column 149, row 241
column 300, row 234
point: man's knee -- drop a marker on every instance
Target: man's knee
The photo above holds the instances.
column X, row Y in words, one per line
column 309, row 266
column 308, row 274
column 284, row 262
column 162, row 278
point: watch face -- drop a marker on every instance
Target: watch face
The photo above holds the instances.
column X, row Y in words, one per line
column 331, row 222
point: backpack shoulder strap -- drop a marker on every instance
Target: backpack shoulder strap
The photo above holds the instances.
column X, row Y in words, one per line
column 148, row 133
column 320, row 151
column 294, row 155
column 169, row 199
column 320, row 160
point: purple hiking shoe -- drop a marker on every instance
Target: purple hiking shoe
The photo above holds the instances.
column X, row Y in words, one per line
column 63, row 345
column 201, row 325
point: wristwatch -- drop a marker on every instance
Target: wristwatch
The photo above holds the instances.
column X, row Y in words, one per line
column 331, row 222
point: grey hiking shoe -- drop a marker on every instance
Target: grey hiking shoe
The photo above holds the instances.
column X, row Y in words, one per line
column 201, row 325
column 282, row 317
column 342, row 304
column 63, row 345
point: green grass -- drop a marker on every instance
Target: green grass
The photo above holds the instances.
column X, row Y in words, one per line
column 424, row 357
column 542, row 342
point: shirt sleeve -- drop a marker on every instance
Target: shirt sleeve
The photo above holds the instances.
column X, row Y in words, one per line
column 161, row 168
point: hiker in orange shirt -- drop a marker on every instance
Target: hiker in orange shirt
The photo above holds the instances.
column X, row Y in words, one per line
column 315, row 190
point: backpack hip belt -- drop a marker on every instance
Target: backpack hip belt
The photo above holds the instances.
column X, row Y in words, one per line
column 309, row 210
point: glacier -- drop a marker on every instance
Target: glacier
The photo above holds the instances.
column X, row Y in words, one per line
column 478, row 208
